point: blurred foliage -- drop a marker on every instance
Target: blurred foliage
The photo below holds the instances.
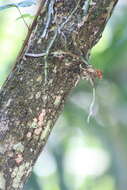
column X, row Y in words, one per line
column 26, row 3
column 78, row 155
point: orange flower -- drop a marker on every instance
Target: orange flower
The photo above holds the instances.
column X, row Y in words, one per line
column 99, row 74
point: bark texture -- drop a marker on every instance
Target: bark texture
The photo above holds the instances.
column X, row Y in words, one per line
column 50, row 64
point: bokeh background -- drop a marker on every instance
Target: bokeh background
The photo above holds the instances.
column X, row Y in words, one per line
column 78, row 155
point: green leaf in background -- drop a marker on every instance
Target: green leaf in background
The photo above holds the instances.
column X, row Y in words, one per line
column 26, row 3
column 25, row 16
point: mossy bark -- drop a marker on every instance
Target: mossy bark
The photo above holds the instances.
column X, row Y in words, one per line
column 49, row 65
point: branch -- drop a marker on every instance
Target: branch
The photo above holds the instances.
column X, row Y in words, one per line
column 35, row 92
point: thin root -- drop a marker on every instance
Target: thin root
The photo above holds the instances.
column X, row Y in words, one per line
column 92, row 102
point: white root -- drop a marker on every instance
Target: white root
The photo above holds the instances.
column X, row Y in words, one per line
column 91, row 107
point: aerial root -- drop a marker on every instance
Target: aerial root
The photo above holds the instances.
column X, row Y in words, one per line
column 91, row 107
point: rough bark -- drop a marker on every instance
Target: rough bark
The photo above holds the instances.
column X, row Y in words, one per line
column 50, row 64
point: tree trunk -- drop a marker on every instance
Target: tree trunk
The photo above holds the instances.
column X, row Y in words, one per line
column 51, row 62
